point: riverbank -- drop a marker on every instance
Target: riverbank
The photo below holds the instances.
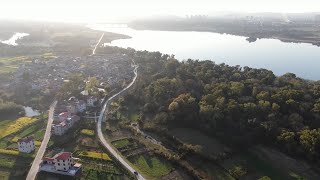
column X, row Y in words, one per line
column 297, row 32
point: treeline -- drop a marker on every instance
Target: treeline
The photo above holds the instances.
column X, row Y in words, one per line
column 10, row 109
column 242, row 106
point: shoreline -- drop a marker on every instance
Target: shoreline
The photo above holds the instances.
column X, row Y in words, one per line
column 249, row 37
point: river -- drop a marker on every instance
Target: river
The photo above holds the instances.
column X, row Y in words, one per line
column 13, row 40
column 280, row 57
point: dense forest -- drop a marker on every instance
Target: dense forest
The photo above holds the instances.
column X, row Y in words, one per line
column 241, row 106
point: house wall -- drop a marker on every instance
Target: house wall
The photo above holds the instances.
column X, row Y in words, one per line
column 63, row 165
column 26, row 147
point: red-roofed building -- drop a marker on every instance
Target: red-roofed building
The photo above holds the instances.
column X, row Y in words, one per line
column 63, row 116
column 26, row 144
column 61, row 162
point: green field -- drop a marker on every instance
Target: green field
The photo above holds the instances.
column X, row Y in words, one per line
column 121, row 143
column 11, row 64
column 87, row 132
column 95, row 155
column 16, row 126
column 13, row 164
column 151, row 166
column 209, row 145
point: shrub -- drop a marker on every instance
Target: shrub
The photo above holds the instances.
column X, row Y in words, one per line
column 87, row 132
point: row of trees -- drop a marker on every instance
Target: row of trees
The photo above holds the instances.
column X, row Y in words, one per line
column 9, row 108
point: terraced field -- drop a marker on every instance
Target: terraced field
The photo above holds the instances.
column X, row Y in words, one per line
column 13, row 164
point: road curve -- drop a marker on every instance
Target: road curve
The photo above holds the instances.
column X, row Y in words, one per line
column 99, row 130
column 37, row 160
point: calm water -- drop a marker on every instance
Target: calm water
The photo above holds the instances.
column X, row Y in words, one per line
column 31, row 112
column 14, row 38
column 301, row 59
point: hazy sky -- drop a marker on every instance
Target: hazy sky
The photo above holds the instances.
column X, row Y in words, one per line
column 97, row 10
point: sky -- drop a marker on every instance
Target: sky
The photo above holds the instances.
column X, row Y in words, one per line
column 104, row 10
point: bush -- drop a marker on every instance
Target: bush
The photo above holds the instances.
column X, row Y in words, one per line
column 87, row 132
column 238, row 171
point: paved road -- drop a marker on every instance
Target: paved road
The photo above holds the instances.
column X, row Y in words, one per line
column 100, row 134
column 95, row 48
column 37, row 160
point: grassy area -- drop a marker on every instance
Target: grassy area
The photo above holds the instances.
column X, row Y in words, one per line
column 262, row 166
column 4, row 175
column 11, row 64
column 16, row 125
column 134, row 116
column 13, row 163
column 87, row 132
column 151, row 166
column 215, row 172
column 95, row 155
column 48, row 56
column 121, row 143
column 106, row 170
column 209, row 145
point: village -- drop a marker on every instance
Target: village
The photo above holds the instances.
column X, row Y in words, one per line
column 48, row 76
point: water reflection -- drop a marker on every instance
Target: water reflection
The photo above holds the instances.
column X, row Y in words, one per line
column 31, row 112
column 14, row 38
column 280, row 57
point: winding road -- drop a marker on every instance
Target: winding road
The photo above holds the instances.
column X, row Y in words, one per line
column 95, row 48
column 38, row 159
column 104, row 142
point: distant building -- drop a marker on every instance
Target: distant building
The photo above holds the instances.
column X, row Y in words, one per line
column 317, row 18
column 65, row 125
column 91, row 101
column 60, row 129
column 81, row 106
column 64, row 116
column 72, row 109
column 26, row 145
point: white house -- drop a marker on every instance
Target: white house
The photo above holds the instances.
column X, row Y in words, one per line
column 61, row 162
column 91, row 101
column 81, row 106
column 64, row 126
column 60, row 129
column 26, row 144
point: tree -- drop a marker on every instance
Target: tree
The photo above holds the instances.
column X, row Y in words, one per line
column 92, row 86
column 287, row 139
column 310, row 141
column 275, row 107
column 263, row 96
column 316, row 108
column 238, row 172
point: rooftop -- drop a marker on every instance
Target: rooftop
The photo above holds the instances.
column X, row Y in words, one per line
column 63, row 156
column 26, row 139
